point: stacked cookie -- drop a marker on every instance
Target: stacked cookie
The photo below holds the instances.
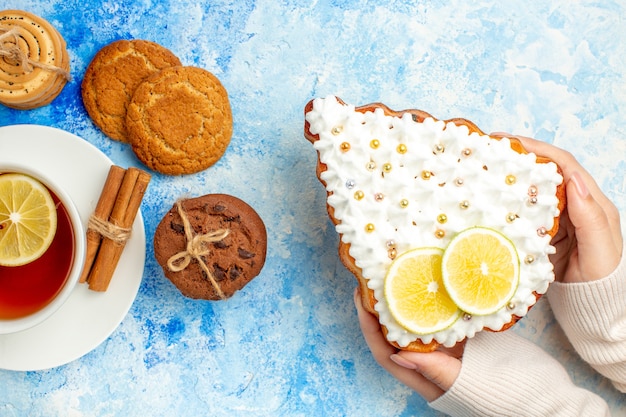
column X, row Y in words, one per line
column 34, row 63
column 176, row 118
column 112, row 77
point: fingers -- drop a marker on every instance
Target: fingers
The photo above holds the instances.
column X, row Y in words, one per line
column 385, row 354
column 594, row 233
column 369, row 323
column 438, row 367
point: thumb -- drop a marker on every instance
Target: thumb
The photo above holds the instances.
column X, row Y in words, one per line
column 597, row 254
column 438, row 367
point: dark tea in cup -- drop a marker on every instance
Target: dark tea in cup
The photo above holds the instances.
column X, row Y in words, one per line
column 28, row 288
column 35, row 284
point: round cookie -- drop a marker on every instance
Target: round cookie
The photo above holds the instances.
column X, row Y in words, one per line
column 233, row 253
column 179, row 120
column 34, row 65
column 112, row 77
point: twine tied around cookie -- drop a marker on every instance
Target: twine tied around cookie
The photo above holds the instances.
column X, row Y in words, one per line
column 197, row 245
column 10, row 51
column 108, row 230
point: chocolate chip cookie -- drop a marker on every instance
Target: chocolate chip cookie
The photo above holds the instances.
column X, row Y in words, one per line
column 211, row 246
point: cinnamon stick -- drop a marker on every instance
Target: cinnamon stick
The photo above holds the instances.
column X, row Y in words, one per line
column 123, row 215
column 103, row 211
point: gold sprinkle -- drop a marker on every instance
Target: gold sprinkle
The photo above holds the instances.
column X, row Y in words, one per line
column 466, row 152
column 336, row 130
column 510, row 179
column 438, row 148
column 370, row 166
column 369, row 228
column 510, row 218
column 440, row 234
column 442, row 218
column 426, row 175
column 459, row 182
column 404, row 203
column 387, row 167
column 345, row 146
column 402, row 149
column 464, row 204
column 374, row 143
column 392, row 253
column 529, row 259
column 359, row 195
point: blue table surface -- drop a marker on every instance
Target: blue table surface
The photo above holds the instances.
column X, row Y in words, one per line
column 288, row 344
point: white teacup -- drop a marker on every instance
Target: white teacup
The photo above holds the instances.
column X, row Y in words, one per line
column 72, row 263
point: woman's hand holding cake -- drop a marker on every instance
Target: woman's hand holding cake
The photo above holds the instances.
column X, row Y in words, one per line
column 450, row 232
column 589, row 249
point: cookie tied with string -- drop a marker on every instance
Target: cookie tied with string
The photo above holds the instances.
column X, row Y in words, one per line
column 34, row 63
column 211, row 246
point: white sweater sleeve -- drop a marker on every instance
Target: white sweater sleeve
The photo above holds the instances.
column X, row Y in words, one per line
column 504, row 374
column 593, row 316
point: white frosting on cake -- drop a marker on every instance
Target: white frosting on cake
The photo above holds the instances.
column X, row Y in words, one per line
column 391, row 179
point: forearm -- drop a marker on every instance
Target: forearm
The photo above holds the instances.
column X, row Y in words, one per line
column 593, row 316
column 504, row 374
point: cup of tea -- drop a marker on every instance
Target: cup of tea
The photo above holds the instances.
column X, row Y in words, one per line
column 32, row 292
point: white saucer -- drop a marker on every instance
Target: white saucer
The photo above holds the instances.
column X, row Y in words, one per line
column 87, row 318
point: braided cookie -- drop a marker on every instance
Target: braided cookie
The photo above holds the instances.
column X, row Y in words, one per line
column 112, row 77
column 447, row 229
column 34, row 63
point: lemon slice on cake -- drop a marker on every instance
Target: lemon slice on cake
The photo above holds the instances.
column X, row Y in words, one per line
column 415, row 292
column 480, row 270
column 28, row 219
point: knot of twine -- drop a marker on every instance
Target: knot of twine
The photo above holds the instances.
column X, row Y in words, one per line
column 197, row 246
column 10, row 50
column 109, row 230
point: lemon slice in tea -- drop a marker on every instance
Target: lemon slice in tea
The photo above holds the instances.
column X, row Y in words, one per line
column 28, row 219
column 415, row 293
column 480, row 269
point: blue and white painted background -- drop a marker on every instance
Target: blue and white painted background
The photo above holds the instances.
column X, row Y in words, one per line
column 289, row 343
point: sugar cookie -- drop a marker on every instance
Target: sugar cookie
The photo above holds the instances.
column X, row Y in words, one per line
column 112, row 77
column 179, row 120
